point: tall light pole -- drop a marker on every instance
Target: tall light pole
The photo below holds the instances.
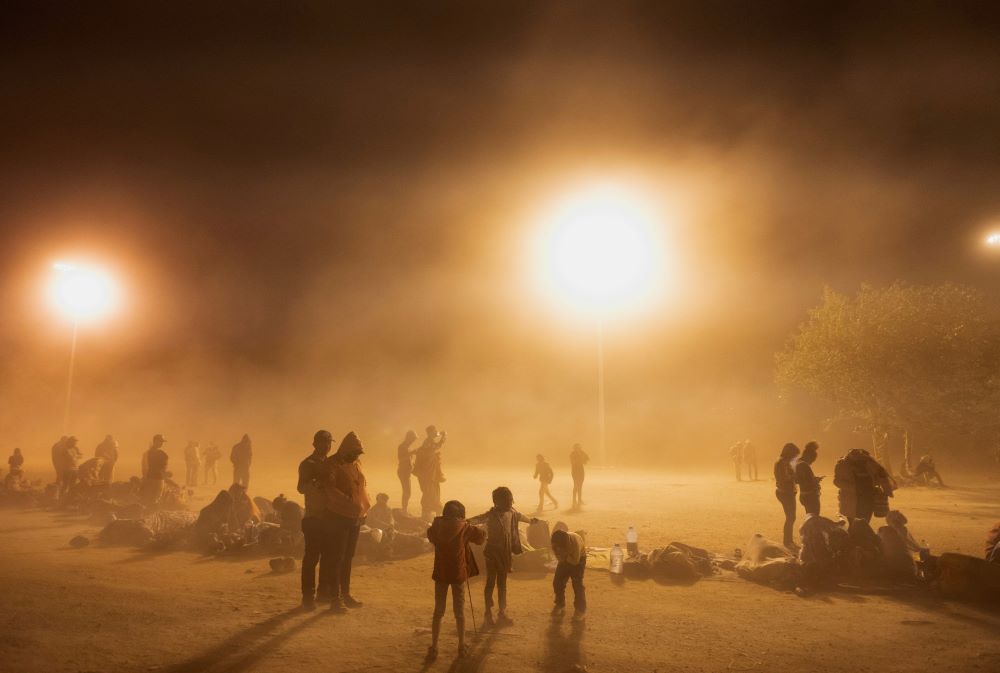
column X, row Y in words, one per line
column 82, row 294
column 597, row 255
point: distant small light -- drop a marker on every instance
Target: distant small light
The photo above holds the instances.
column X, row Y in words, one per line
column 993, row 240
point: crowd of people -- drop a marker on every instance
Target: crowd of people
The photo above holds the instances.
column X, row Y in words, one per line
column 338, row 512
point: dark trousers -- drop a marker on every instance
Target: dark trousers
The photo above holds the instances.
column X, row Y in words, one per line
column 496, row 577
column 241, row 474
column 787, row 500
column 810, row 502
column 343, row 544
column 566, row 572
column 404, row 481
column 316, row 533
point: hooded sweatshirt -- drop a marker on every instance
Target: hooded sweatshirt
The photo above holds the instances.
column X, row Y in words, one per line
column 346, row 488
column 453, row 560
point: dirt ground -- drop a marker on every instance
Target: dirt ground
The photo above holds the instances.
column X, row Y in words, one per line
column 117, row 609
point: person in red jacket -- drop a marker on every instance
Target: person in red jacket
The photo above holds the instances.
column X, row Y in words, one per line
column 454, row 564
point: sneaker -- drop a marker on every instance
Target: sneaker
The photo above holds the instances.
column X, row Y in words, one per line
column 579, row 616
column 351, row 603
column 337, row 607
column 558, row 610
column 504, row 620
column 308, row 602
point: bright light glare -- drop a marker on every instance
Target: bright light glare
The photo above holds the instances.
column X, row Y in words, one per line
column 82, row 293
column 993, row 240
column 598, row 251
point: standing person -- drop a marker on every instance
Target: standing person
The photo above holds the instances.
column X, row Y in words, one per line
column 749, row 454
column 502, row 541
column 404, row 467
column 572, row 562
column 863, row 485
column 70, row 456
column 544, row 475
column 347, row 499
column 211, row 457
column 58, row 459
column 154, row 472
column 809, row 488
column 315, row 521
column 108, row 451
column 240, row 456
column 736, row 455
column 192, row 461
column 427, row 469
column 784, row 479
column 454, row 564
column 577, row 459
column 927, row 470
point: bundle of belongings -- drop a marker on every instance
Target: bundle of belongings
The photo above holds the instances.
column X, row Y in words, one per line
column 969, row 578
column 159, row 529
column 767, row 562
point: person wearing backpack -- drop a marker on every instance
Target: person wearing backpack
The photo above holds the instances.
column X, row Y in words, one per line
column 544, row 475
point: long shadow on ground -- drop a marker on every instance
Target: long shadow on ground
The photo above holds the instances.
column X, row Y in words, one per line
column 243, row 650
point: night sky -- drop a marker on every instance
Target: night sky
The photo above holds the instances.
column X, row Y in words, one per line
column 322, row 209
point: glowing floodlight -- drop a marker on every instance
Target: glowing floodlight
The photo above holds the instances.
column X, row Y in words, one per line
column 82, row 293
column 993, row 240
column 598, row 249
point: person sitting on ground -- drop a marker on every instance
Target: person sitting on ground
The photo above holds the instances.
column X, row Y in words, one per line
column 503, row 540
column 108, row 450
column 16, row 464
column 454, row 564
column 213, row 523
column 244, row 509
column 784, row 479
column 572, row 562
column 544, row 475
column 809, row 488
column 89, row 473
column 898, row 546
column 927, row 470
column 289, row 516
column 380, row 515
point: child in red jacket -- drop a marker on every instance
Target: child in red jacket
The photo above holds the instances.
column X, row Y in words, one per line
column 454, row 564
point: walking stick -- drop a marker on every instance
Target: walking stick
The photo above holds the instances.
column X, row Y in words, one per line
column 472, row 610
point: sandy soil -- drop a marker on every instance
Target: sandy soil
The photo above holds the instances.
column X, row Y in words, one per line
column 117, row 609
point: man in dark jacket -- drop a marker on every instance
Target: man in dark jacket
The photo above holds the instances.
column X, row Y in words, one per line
column 241, row 455
column 808, row 482
column 315, row 521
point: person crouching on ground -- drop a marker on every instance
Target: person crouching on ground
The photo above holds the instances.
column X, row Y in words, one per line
column 454, row 564
column 784, row 480
column 502, row 542
column 347, row 499
column 572, row 562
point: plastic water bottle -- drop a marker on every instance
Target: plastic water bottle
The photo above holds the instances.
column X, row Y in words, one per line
column 632, row 542
column 617, row 560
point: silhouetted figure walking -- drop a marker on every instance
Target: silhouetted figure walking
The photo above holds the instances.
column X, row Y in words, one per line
column 749, row 454
column 192, row 463
column 544, row 475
